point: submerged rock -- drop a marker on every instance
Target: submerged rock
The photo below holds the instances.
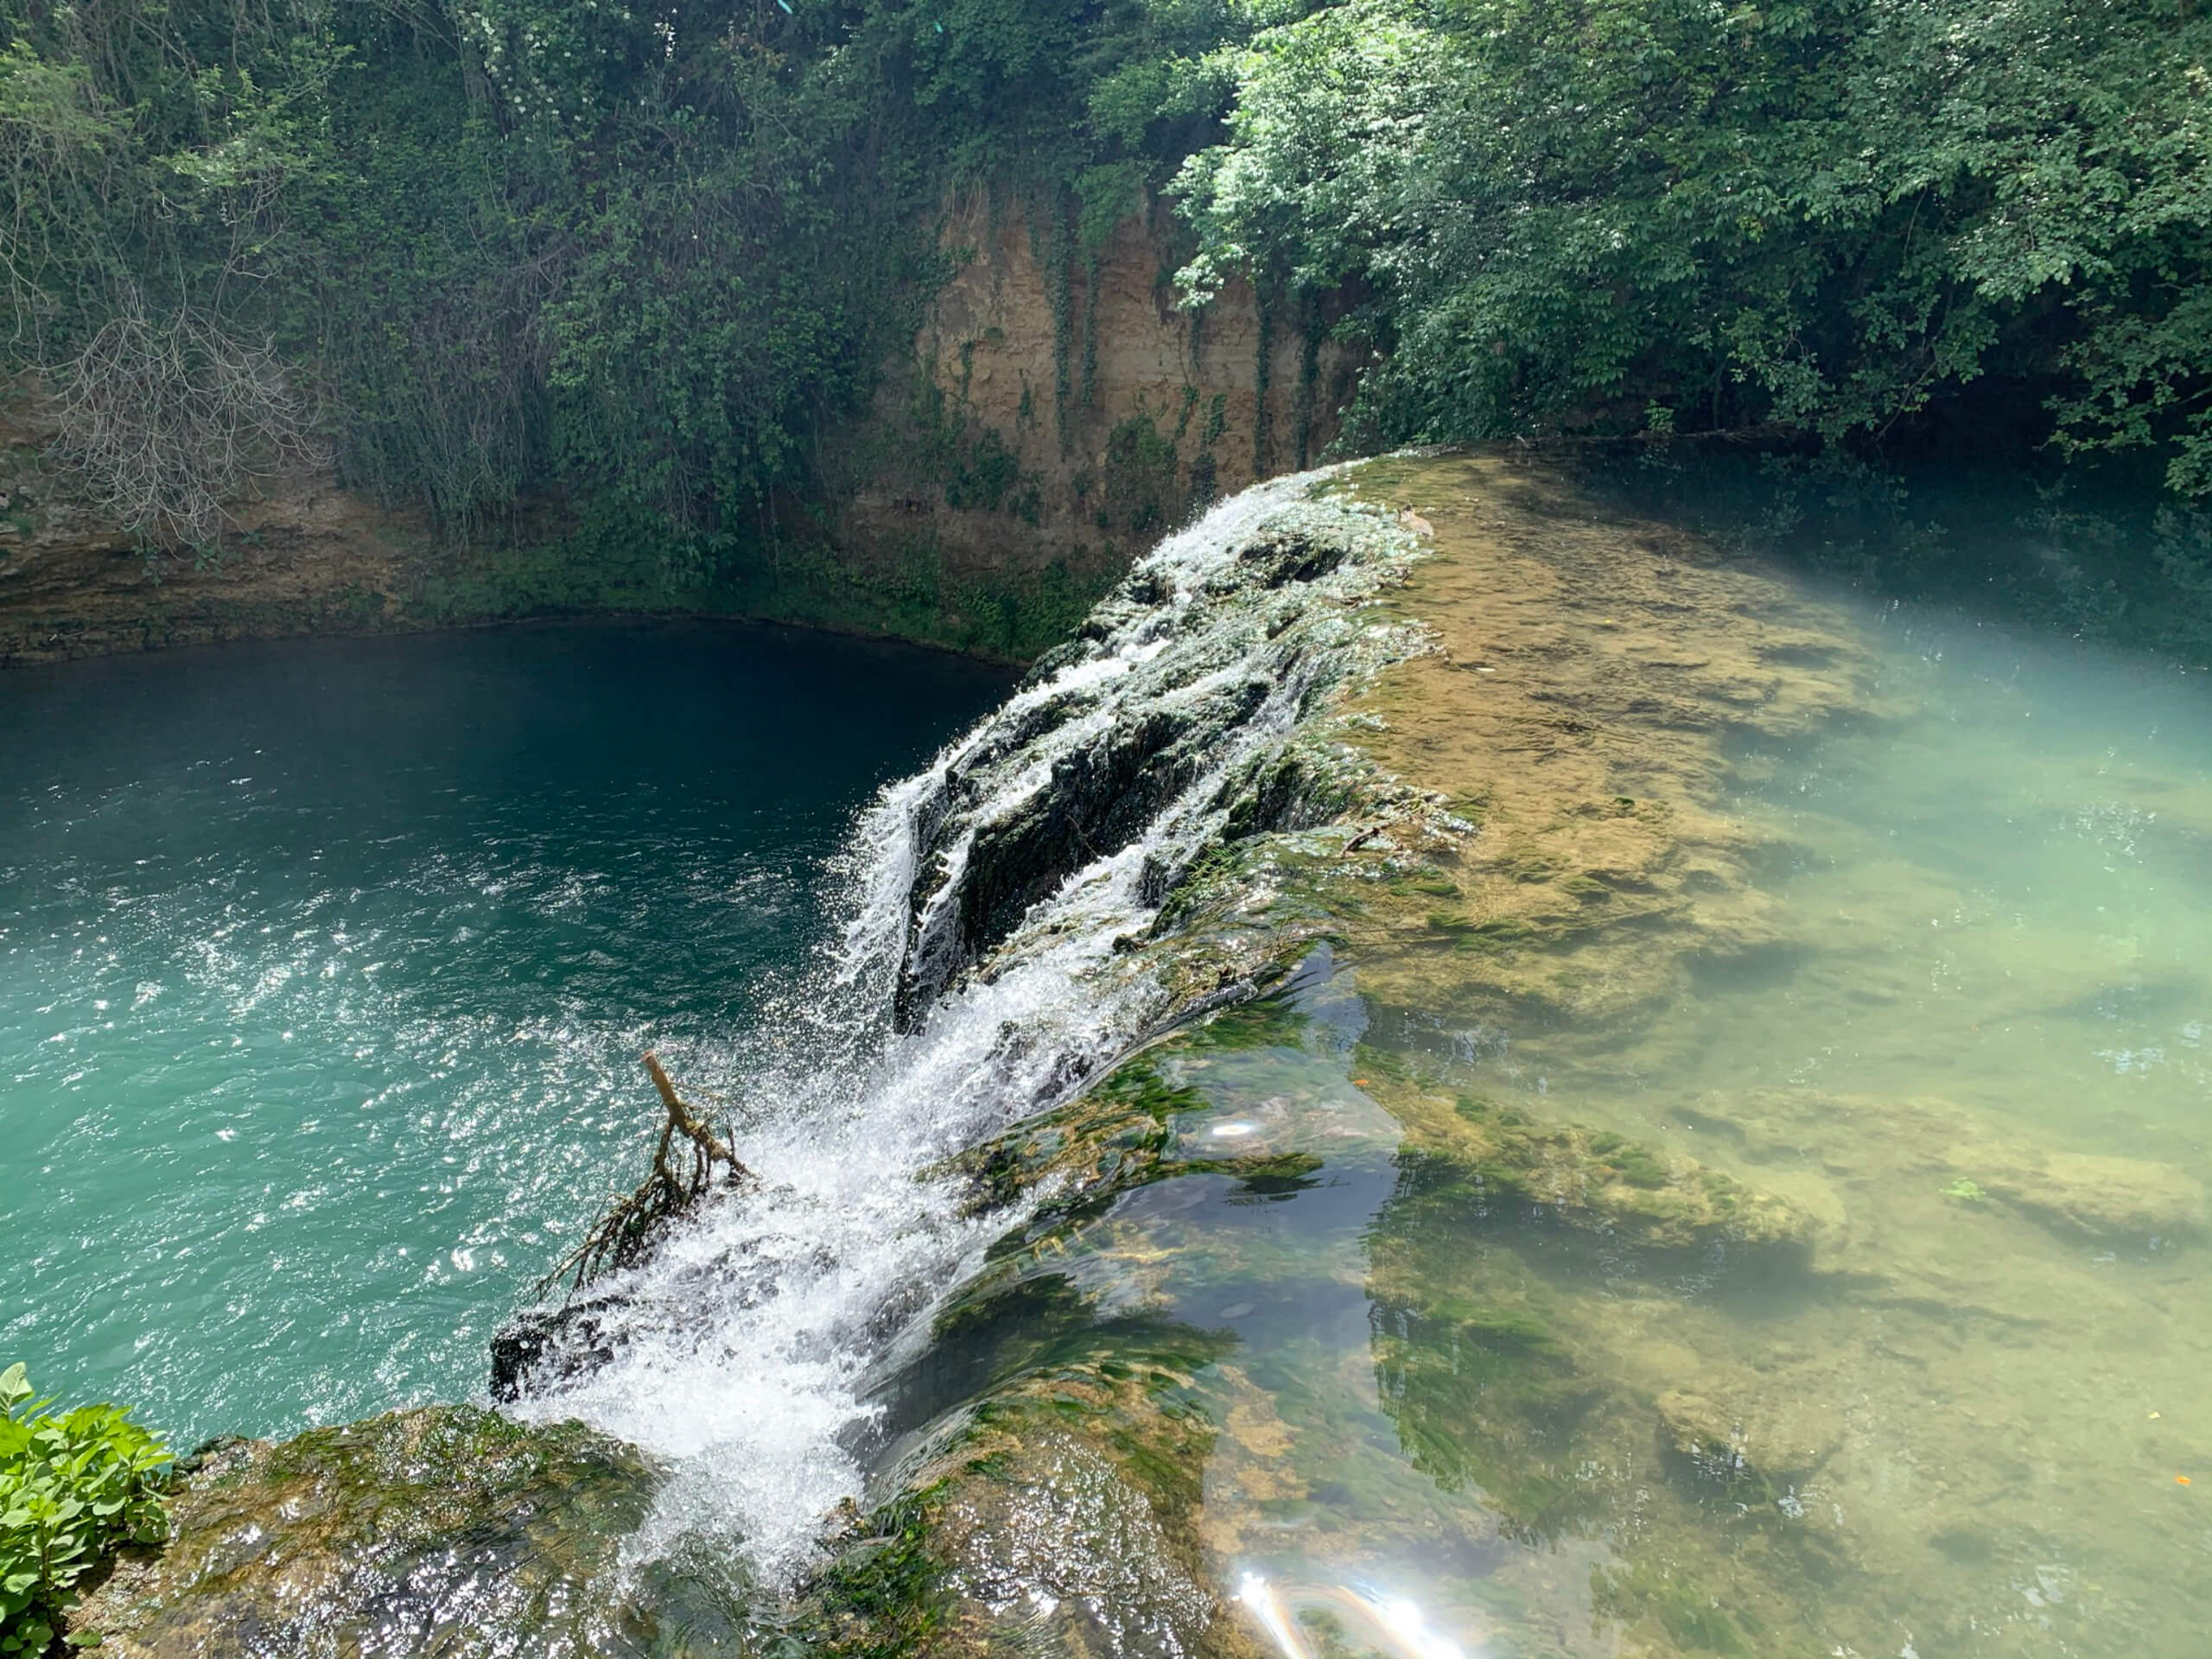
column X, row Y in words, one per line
column 2082, row 1196
column 1770, row 1444
column 1058, row 1515
column 1511, row 1169
column 448, row 1530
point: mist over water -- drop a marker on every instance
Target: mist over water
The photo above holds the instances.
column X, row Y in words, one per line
column 324, row 969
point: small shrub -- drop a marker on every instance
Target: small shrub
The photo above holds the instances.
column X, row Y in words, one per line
column 73, row 1486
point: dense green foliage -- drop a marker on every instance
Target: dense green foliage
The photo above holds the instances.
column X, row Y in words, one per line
column 643, row 260
column 1818, row 216
column 73, row 1485
column 648, row 256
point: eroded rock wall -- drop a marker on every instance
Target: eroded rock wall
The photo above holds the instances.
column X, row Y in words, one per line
column 1062, row 410
column 1056, row 415
column 307, row 556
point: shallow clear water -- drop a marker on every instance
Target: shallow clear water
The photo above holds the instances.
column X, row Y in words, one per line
column 1967, row 1036
column 2004, row 894
column 324, row 967
column 1976, row 1050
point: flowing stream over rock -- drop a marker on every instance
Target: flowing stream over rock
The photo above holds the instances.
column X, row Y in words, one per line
column 990, row 965
column 1492, row 1080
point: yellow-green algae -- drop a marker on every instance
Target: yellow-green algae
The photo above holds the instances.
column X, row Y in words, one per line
column 1459, row 1428
column 1983, row 1406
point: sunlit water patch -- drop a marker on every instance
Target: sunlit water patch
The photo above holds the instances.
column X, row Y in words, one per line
column 324, row 969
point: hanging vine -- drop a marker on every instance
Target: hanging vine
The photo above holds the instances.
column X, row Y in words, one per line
column 1262, row 373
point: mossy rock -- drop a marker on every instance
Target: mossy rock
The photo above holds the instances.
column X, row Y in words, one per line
column 1582, row 1179
column 1764, row 1446
column 2085, row 1197
column 1059, row 1514
column 1119, row 1136
column 447, row 1530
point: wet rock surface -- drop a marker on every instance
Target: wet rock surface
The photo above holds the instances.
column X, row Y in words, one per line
column 1196, row 669
column 1773, row 1443
column 1510, row 1171
column 448, row 1530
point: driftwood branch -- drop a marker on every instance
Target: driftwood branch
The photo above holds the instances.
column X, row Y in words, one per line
column 684, row 1120
column 633, row 1228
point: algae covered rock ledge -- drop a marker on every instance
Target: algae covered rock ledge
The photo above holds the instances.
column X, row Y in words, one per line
column 446, row 1529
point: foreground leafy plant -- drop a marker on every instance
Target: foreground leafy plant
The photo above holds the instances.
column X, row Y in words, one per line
column 73, row 1486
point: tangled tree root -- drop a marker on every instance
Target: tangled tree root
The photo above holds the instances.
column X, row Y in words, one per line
column 631, row 1229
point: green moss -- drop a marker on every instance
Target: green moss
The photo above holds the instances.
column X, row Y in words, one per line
column 1138, row 492
column 885, row 1591
column 1429, row 886
column 1639, row 1168
column 270, row 1541
column 1508, row 1172
column 983, row 471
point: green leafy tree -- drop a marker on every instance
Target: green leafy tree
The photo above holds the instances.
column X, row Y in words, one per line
column 1814, row 216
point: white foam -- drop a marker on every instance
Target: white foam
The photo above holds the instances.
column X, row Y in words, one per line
column 753, row 1330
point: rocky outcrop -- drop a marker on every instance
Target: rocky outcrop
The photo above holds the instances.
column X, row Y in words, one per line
column 1161, row 725
column 1057, row 414
column 447, row 1530
column 306, row 556
column 1062, row 411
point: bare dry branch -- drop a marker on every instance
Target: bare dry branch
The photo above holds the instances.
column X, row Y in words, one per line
column 171, row 418
column 633, row 1228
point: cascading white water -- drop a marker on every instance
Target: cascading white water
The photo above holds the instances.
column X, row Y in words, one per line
column 739, row 1350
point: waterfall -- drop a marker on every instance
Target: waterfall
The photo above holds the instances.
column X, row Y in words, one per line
column 1002, row 944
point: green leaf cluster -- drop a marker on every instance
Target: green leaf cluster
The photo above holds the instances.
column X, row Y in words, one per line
column 73, row 1486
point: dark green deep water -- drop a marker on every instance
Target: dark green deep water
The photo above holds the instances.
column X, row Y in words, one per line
column 324, row 967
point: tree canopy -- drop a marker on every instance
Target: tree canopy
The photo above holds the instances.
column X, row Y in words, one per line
column 649, row 255
column 1818, row 216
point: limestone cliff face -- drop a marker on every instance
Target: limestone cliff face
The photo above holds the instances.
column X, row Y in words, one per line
column 1056, row 415
column 308, row 556
column 1062, row 411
